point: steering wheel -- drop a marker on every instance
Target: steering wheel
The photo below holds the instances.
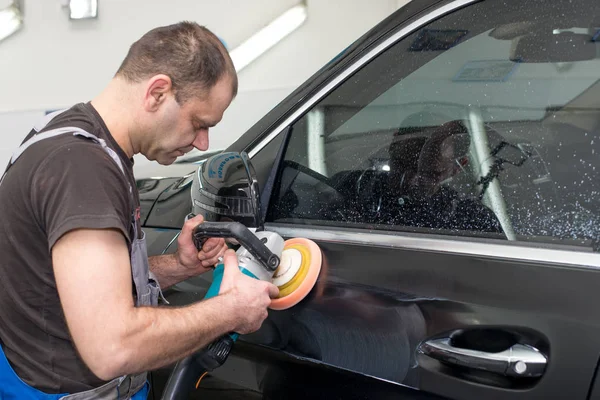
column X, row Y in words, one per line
column 322, row 197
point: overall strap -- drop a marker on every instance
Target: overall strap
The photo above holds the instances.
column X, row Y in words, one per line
column 125, row 387
column 56, row 132
column 61, row 131
column 41, row 124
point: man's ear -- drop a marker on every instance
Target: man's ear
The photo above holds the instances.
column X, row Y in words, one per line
column 157, row 89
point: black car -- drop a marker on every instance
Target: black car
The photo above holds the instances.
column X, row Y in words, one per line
column 447, row 164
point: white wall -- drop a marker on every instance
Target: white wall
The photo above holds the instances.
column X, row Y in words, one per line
column 54, row 62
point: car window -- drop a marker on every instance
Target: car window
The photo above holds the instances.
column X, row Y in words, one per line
column 484, row 123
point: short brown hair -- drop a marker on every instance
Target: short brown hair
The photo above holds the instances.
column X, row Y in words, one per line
column 191, row 55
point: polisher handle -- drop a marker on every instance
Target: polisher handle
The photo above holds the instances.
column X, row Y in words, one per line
column 242, row 234
column 186, row 371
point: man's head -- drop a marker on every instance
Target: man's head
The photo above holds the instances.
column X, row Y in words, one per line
column 183, row 80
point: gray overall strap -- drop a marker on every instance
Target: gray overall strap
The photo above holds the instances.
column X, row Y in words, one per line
column 146, row 284
column 61, row 131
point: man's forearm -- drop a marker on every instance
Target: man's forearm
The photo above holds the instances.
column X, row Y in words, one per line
column 169, row 272
column 156, row 337
column 187, row 261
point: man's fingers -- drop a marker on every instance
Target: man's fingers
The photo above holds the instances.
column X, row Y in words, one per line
column 211, row 248
column 190, row 224
column 211, row 259
column 212, row 243
column 212, row 256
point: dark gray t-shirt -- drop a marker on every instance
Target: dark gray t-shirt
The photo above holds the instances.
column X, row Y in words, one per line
column 57, row 185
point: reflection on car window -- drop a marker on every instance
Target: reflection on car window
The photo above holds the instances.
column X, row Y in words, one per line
column 484, row 123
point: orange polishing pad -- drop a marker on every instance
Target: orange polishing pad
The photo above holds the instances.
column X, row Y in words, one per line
column 297, row 272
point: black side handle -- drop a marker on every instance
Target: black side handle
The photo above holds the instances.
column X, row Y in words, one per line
column 242, row 234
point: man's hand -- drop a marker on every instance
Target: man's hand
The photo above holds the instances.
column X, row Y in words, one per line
column 187, row 261
column 189, row 257
column 251, row 296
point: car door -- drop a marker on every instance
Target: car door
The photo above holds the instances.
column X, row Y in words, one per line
column 450, row 177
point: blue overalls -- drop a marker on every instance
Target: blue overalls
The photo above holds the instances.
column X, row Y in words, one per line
column 129, row 387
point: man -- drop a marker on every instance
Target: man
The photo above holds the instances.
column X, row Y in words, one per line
column 78, row 308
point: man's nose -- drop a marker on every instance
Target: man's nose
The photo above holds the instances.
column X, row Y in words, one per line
column 201, row 141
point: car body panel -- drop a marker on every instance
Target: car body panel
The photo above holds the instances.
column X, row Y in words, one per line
column 150, row 190
column 172, row 205
column 366, row 322
column 382, row 294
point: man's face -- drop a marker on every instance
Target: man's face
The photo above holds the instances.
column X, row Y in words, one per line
column 180, row 128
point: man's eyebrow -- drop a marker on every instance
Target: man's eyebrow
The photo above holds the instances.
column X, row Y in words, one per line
column 203, row 122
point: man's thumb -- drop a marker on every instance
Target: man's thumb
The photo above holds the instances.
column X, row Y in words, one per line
column 231, row 268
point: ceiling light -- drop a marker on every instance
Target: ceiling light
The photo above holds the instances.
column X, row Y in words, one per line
column 267, row 37
column 11, row 20
column 83, row 9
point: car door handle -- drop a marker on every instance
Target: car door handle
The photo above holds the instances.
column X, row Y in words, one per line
column 517, row 361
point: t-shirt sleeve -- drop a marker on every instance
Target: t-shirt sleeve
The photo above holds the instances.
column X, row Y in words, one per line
column 80, row 186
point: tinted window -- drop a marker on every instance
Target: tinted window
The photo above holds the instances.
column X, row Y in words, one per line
column 483, row 123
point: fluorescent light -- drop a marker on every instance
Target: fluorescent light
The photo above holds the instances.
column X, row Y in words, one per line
column 82, row 9
column 269, row 36
column 11, row 21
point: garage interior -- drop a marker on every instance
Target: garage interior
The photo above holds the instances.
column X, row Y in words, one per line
column 279, row 44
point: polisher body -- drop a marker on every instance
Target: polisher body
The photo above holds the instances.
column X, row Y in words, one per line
column 248, row 265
